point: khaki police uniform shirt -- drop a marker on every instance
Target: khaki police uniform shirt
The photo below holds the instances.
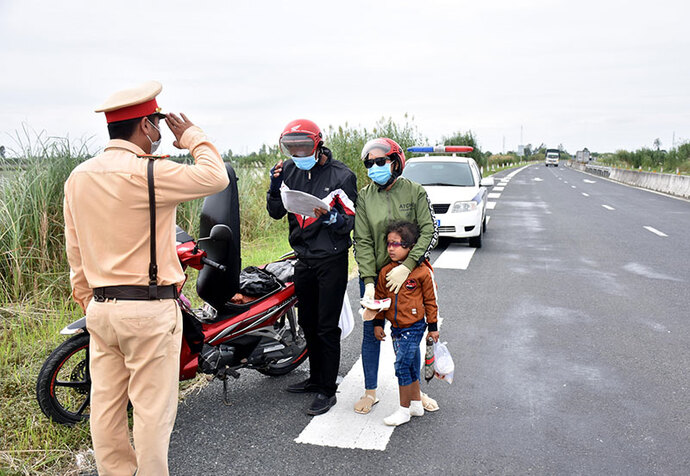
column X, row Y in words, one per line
column 107, row 221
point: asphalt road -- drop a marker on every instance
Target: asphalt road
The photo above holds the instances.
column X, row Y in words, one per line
column 570, row 335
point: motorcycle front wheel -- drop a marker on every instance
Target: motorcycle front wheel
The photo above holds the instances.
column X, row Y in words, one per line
column 64, row 384
column 296, row 339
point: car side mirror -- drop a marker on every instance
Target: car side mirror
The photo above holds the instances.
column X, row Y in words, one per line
column 487, row 182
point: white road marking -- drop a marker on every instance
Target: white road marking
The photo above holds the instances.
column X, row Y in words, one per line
column 366, row 432
column 589, row 181
column 585, row 194
column 537, row 179
column 488, row 217
column 608, row 207
column 455, row 256
column 573, row 186
column 490, row 205
column 494, row 195
column 498, row 189
column 341, row 427
column 655, row 231
column 565, row 181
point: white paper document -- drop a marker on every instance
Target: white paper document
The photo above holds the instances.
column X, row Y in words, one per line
column 302, row 203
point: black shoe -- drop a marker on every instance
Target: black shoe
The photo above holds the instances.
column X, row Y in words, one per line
column 321, row 404
column 301, row 387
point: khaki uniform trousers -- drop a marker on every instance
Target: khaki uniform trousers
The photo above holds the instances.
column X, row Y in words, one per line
column 135, row 356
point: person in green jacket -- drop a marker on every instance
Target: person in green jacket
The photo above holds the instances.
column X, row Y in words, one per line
column 389, row 197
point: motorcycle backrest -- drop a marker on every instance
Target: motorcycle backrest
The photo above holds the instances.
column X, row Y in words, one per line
column 219, row 236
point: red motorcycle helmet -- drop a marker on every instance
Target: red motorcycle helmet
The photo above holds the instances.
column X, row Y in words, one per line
column 390, row 149
column 300, row 138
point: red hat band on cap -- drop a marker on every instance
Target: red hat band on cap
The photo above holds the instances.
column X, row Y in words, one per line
column 138, row 110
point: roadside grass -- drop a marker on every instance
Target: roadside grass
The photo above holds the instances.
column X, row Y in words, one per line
column 29, row 443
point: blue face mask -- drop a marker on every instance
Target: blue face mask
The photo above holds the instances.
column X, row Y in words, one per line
column 380, row 173
column 304, row 163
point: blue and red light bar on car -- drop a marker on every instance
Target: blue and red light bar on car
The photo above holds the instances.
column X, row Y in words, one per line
column 442, row 148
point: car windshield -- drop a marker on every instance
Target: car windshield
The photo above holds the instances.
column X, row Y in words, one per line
column 456, row 174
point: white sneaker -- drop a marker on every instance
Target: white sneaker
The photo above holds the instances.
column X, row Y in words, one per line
column 401, row 415
column 416, row 408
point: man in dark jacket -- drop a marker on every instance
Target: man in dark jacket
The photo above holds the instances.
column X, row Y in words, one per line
column 321, row 243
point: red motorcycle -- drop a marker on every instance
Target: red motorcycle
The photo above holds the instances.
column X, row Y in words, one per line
column 248, row 319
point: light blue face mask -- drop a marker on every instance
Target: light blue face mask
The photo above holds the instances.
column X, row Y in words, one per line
column 304, row 163
column 380, row 173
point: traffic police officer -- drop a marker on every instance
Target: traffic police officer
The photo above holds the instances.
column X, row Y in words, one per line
column 127, row 282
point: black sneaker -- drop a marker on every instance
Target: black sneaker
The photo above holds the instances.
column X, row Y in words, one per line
column 321, row 404
column 301, row 387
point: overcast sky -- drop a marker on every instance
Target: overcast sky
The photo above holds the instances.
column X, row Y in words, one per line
column 602, row 74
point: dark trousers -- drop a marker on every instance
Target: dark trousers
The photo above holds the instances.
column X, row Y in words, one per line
column 320, row 287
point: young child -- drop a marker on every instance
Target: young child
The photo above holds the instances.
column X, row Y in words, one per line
column 415, row 301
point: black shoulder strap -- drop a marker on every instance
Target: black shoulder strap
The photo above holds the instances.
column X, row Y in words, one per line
column 153, row 267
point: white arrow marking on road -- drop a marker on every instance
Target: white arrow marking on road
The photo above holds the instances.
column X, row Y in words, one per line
column 589, row 181
column 490, row 205
column 608, row 207
column 585, row 194
column 494, row 195
column 456, row 256
column 537, row 179
column 655, row 231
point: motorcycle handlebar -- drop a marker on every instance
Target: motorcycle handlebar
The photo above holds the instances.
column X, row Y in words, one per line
column 213, row 264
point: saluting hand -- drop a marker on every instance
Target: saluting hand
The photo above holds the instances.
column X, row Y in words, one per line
column 177, row 126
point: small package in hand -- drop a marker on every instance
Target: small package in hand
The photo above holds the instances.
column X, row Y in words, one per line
column 443, row 364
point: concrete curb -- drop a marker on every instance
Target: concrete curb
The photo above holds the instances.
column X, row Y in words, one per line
column 676, row 185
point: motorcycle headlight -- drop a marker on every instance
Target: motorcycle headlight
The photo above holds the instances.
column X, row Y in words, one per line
column 459, row 207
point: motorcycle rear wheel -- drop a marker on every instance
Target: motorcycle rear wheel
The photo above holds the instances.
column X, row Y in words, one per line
column 63, row 388
column 285, row 366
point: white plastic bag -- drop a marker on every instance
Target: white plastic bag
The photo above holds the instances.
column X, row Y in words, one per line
column 443, row 365
column 346, row 322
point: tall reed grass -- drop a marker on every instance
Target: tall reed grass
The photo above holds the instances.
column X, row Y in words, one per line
column 32, row 256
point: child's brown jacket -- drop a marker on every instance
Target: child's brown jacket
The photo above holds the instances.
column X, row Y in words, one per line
column 416, row 298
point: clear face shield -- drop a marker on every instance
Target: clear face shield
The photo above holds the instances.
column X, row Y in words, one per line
column 375, row 152
column 298, row 144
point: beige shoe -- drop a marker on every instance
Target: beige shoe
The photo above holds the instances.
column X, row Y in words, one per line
column 429, row 403
column 365, row 404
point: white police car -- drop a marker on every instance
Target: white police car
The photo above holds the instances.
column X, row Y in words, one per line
column 456, row 189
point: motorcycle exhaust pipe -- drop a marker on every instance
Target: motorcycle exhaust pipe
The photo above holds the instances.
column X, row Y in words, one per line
column 212, row 358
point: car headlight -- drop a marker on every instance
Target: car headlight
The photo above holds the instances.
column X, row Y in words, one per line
column 459, row 207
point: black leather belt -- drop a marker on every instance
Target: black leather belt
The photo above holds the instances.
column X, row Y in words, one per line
column 134, row 293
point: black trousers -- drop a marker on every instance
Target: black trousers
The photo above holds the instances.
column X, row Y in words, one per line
column 320, row 287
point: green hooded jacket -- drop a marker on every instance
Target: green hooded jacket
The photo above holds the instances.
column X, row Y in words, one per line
column 375, row 209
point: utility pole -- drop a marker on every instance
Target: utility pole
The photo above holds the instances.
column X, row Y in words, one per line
column 504, row 145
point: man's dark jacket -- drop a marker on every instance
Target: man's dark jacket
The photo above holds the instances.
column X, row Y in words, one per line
column 312, row 238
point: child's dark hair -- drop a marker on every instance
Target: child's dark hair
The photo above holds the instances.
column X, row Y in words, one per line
column 408, row 231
